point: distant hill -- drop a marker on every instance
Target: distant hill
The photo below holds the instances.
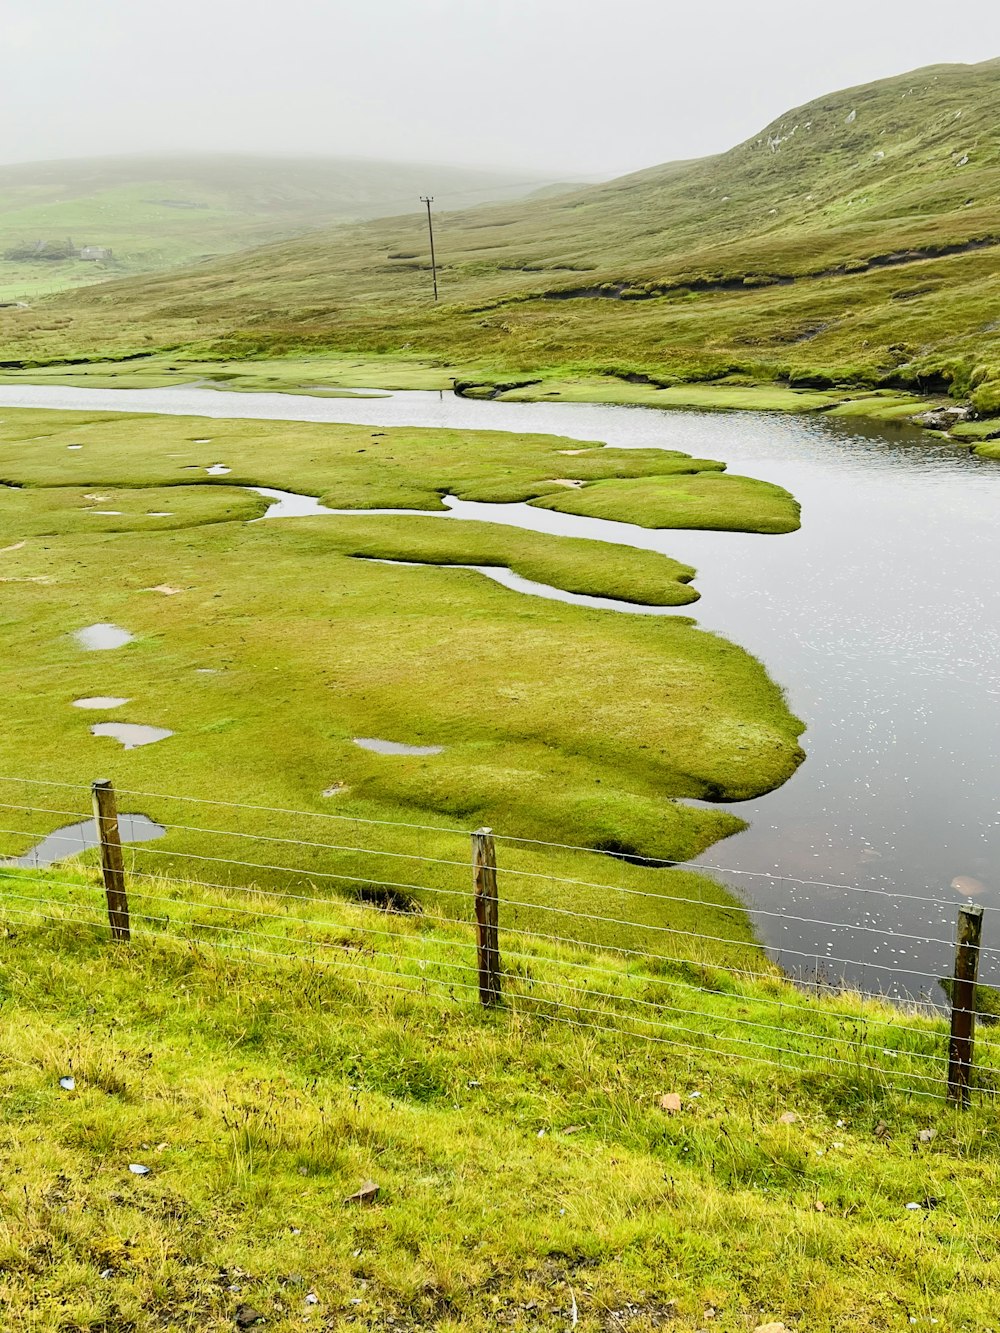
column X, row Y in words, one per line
column 855, row 239
column 153, row 212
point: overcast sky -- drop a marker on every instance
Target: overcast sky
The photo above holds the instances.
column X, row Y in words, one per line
column 562, row 87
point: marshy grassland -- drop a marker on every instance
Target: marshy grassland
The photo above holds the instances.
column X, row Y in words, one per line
column 270, row 1040
column 268, row 647
column 160, row 212
column 528, row 1173
column 848, row 247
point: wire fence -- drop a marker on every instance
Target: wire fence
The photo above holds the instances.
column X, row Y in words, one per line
column 566, row 935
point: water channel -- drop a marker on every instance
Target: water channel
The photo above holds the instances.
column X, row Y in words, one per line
column 880, row 617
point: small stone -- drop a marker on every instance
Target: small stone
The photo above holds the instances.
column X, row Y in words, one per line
column 770, row 1328
column 789, row 1118
column 246, row 1316
column 926, row 1135
column 138, row 1169
column 367, row 1193
column 68, row 1083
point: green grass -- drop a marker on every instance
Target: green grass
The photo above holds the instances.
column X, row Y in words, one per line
column 525, row 1167
column 155, row 212
column 858, row 254
column 562, row 723
column 710, row 500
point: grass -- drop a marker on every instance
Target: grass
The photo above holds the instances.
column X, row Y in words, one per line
column 827, row 255
column 528, row 1175
column 158, row 212
column 559, row 722
column 710, row 500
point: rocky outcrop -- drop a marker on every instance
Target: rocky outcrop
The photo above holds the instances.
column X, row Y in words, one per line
column 943, row 418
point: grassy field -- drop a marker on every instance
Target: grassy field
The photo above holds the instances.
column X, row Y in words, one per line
column 852, row 244
column 267, row 647
column 155, row 212
column 528, row 1174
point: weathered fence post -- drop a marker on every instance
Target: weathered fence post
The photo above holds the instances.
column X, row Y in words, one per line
column 112, row 865
column 484, row 879
column 963, row 1004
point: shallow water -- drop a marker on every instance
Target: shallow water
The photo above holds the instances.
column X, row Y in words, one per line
column 881, row 618
column 131, row 734
column 394, row 747
column 517, row 583
column 286, row 504
column 72, row 839
column 100, row 701
column 102, row 638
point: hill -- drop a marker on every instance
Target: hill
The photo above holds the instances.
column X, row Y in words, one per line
column 153, row 212
column 854, row 240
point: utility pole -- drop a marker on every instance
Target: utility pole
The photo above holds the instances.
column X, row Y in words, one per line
column 428, row 199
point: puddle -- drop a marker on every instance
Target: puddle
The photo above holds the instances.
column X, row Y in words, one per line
column 100, row 701
column 74, row 446
column 218, row 470
column 107, row 513
column 206, row 671
column 165, row 588
column 72, row 839
column 131, row 734
column 159, row 513
column 100, row 638
column 193, row 442
column 286, row 504
column 394, row 747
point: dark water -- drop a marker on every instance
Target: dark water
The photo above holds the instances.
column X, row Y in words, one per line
column 881, row 618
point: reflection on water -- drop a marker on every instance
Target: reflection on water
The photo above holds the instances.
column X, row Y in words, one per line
column 72, row 839
column 131, row 734
column 881, row 618
column 102, row 638
column 394, row 747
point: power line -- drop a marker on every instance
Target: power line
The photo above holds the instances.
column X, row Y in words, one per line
column 428, row 199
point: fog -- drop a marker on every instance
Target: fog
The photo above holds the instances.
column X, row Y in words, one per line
column 569, row 88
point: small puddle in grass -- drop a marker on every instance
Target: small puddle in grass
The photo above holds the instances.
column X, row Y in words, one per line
column 101, row 701
column 100, row 638
column 394, row 747
column 131, row 734
column 72, row 839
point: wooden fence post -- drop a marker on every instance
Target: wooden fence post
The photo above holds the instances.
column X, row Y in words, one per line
column 963, row 1004
column 484, row 879
column 112, row 865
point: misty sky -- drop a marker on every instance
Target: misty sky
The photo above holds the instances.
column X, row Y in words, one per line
column 558, row 87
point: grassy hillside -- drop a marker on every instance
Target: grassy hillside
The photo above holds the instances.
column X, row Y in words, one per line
column 855, row 240
column 529, row 1175
column 154, row 212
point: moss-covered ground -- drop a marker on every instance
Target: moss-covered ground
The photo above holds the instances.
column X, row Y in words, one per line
column 268, row 647
column 529, row 1174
